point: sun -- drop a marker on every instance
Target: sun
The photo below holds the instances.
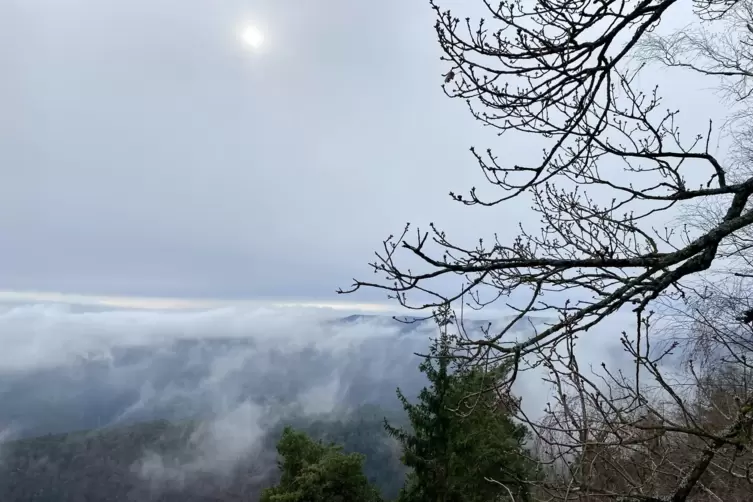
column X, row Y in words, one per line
column 252, row 37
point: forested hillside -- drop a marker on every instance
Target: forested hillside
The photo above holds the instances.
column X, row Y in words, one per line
column 442, row 446
column 162, row 461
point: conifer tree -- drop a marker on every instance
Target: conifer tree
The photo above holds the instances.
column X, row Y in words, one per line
column 462, row 444
column 315, row 472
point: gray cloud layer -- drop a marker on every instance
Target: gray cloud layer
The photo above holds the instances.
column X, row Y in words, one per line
column 144, row 151
column 133, row 362
column 68, row 368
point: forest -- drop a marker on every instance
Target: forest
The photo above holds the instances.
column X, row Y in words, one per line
column 117, row 463
column 423, row 452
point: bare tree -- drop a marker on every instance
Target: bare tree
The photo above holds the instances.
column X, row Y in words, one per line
column 608, row 435
column 564, row 72
column 557, row 70
column 724, row 54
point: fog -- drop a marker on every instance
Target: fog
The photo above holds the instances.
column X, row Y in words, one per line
column 215, row 447
column 125, row 364
column 237, row 373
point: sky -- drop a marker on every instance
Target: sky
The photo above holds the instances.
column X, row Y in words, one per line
column 146, row 153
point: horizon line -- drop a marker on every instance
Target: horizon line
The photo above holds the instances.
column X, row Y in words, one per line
column 178, row 303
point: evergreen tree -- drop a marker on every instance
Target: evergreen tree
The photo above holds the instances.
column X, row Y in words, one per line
column 426, row 446
column 461, row 434
column 315, row 472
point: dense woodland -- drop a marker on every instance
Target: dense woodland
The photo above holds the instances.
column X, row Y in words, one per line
column 107, row 464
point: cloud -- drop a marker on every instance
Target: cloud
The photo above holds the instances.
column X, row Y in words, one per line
column 238, row 370
column 167, row 164
column 210, row 360
column 176, row 164
column 41, row 336
column 215, row 447
column 103, row 367
column 20, row 298
column 6, row 434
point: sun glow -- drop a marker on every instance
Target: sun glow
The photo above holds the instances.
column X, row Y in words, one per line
column 252, row 37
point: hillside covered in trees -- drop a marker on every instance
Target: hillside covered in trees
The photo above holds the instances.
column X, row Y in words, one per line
column 364, row 455
column 164, row 461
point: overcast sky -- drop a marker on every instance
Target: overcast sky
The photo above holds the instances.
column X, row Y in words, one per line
column 146, row 152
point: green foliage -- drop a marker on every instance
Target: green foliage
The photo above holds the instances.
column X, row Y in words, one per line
column 461, row 436
column 362, row 431
column 315, row 472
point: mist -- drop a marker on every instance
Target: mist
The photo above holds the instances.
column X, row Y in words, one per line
column 232, row 376
column 104, row 367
